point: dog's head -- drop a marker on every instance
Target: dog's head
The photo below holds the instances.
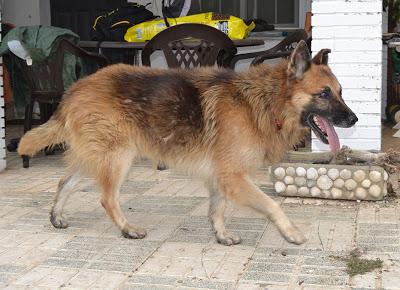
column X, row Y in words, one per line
column 317, row 95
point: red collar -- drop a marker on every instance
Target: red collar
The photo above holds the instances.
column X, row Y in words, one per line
column 278, row 123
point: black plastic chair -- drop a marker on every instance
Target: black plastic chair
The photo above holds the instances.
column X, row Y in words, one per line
column 191, row 45
column 282, row 49
column 45, row 81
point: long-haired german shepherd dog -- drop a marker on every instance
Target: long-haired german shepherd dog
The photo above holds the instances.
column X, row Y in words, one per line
column 211, row 122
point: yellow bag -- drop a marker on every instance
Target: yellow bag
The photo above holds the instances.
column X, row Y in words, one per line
column 233, row 26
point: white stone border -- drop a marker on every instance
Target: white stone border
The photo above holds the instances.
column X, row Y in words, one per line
column 352, row 182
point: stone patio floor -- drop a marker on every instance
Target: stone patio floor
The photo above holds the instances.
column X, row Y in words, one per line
column 180, row 251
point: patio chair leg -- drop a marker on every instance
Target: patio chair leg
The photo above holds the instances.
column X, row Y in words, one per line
column 27, row 127
column 161, row 166
column 48, row 151
column 28, row 116
column 25, row 161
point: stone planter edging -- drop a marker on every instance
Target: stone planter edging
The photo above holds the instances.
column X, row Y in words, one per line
column 352, row 182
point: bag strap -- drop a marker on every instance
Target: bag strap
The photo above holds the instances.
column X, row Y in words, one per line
column 166, row 9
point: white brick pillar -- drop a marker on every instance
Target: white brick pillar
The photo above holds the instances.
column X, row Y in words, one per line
column 352, row 29
column 2, row 114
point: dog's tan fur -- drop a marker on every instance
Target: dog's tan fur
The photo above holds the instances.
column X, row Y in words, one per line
column 213, row 123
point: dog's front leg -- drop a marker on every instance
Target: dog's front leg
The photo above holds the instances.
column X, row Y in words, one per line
column 216, row 214
column 241, row 190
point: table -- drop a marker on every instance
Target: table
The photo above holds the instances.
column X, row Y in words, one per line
column 132, row 48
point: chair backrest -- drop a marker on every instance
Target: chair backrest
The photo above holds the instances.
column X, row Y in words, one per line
column 191, row 45
column 47, row 75
column 283, row 48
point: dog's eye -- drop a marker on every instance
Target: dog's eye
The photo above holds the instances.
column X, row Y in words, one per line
column 326, row 93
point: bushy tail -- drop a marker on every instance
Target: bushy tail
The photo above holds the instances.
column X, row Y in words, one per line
column 48, row 134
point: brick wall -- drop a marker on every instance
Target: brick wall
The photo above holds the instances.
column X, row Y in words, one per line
column 2, row 121
column 352, row 29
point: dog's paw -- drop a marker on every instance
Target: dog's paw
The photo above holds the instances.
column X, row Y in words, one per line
column 228, row 239
column 294, row 235
column 58, row 221
column 133, row 233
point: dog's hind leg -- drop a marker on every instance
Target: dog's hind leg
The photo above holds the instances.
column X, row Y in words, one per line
column 216, row 214
column 239, row 188
column 66, row 187
column 112, row 172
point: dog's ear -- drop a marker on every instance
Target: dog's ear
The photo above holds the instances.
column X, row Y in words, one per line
column 321, row 57
column 299, row 61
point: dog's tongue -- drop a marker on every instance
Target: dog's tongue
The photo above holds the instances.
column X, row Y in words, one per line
column 333, row 138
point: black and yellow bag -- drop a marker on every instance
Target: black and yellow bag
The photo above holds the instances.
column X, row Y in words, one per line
column 112, row 26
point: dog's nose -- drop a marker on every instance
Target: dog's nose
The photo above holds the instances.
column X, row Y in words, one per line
column 353, row 119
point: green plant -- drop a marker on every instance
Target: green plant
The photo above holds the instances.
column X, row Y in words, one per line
column 357, row 265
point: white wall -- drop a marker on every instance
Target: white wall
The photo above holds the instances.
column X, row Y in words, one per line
column 2, row 121
column 26, row 12
column 45, row 15
column 352, row 29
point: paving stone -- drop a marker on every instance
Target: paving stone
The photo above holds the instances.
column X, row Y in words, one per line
column 207, row 284
column 198, row 229
column 148, row 279
column 378, row 240
column 114, row 266
column 154, row 265
column 307, row 266
column 323, row 280
column 379, row 237
column 162, row 205
column 180, row 251
column 266, row 277
column 109, row 280
column 378, row 232
column 83, row 279
column 146, row 287
column 327, row 271
column 391, row 279
column 57, row 278
column 11, row 269
column 13, row 254
column 262, row 286
column 33, row 276
column 6, row 279
column 230, row 270
column 136, row 187
column 324, row 261
column 365, row 281
column 67, row 263
column 327, row 287
column 102, row 254
column 270, row 267
column 275, row 259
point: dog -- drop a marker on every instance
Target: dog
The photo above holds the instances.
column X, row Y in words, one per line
column 214, row 123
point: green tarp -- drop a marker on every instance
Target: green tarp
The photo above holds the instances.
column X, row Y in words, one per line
column 40, row 42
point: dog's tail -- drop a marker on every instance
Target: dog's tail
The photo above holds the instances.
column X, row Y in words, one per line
column 49, row 134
